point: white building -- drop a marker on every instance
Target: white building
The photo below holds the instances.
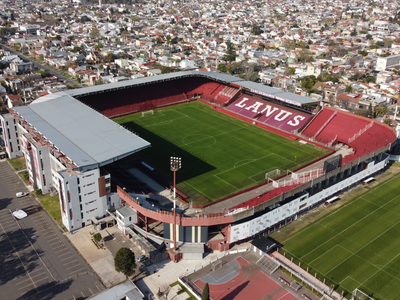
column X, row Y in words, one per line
column 65, row 144
column 382, row 63
column 11, row 136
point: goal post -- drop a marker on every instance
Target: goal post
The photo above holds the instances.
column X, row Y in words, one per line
column 273, row 174
column 147, row 112
column 360, row 295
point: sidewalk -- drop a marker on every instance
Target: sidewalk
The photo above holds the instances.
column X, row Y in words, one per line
column 307, row 275
column 101, row 260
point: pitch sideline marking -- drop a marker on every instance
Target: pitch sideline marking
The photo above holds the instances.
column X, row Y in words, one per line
column 374, row 211
column 340, row 208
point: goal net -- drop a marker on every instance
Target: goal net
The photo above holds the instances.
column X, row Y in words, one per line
column 273, row 174
column 148, row 112
column 216, row 265
column 360, row 295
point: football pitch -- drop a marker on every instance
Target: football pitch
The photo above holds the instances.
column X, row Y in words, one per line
column 220, row 155
column 356, row 245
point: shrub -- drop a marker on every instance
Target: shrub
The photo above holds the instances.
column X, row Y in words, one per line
column 97, row 237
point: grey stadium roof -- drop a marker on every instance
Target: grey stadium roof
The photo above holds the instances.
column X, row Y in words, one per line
column 85, row 136
column 275, row 92
column 91, row 140
column 169, row 76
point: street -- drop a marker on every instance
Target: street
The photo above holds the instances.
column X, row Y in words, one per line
column 40, row 66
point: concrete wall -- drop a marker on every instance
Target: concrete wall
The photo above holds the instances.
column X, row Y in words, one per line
column 280, row 213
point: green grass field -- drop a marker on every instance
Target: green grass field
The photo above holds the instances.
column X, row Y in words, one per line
column 356, row 245
column 220, row 155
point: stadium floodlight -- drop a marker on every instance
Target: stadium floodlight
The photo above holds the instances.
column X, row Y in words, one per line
column 175, row 164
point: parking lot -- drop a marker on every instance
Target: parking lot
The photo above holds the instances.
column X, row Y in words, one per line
column 38, row 262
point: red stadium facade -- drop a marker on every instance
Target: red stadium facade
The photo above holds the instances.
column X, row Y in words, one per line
column 366, row 141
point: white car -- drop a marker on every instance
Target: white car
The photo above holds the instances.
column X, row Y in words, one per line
column 21, row 194
column 19, row 214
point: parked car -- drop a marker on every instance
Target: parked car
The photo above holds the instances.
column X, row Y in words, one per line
column 21, row 194
column 141, row 258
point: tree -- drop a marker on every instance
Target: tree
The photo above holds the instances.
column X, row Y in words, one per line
column 44, row 74
column 381, row 110
column 348, row 89
column 109, row 57
column 206, row 292
column 354, row 32
column 368, row 37
column 97, row 237
column 222, row 68
column 387, row 42
column 124, row 261
column 165, row 70
column 95, row 34
column 76, row 49
column 230, row 53
column 255, row 30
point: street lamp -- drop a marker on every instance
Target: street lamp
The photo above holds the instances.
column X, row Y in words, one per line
column 175, row 166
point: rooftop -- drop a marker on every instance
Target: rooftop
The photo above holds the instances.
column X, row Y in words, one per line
column 85, row 136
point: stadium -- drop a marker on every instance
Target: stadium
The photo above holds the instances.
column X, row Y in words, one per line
column 248, row 158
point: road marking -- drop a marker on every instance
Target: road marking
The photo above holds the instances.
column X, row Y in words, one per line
column 91, row 291
column 73, row 272
column 98, row 288
column 69, row 262
column 63, row 254
column 61, row 250
column 83, row 295
column 66, row 258
column 24, row 287
column 73, row 266
column 58, row 247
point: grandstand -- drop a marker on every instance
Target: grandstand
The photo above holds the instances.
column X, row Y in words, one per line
column 252, row 211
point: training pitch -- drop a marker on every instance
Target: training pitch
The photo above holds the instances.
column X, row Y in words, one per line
column 220, row 155
column 356, row 245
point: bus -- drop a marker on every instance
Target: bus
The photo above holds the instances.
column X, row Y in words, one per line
column 331, row 200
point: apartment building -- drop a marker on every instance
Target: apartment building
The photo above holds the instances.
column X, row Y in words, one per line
column 65, row 144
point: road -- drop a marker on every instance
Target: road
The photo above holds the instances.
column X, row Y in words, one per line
column 40, row 66
column 37, row 260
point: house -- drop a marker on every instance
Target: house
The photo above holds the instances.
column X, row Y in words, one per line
column 14, row 100
column 153, row 72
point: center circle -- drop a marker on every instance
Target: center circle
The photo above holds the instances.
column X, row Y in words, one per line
column 199, row 140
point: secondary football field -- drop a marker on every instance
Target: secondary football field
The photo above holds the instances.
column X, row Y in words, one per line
column 356, row 245
column 220, row 155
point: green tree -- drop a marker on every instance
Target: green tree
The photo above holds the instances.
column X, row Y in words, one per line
column 165, row 70
column 354, row 32
column 97, row 237
column 230, row 53
column 381, row 110
column 109, row 57
column 124, row 261
column 76, row 49
column 95, row 34
column 44, row 74
column 348, row 89
column 222, row 68
column 368, row 37
column 206, row 292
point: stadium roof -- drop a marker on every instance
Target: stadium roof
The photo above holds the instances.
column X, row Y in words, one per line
column 275, row 93
column 145, row 80
column 85, row 136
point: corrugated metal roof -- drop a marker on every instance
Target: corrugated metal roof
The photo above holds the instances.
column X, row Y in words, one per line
column 85, row 136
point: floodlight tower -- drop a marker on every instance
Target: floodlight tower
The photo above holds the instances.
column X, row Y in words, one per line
column 175, row 166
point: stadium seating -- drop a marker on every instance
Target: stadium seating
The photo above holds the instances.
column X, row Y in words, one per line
column 265, row 197
column 362, row 134
column 271, row 114
column 138, row 98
